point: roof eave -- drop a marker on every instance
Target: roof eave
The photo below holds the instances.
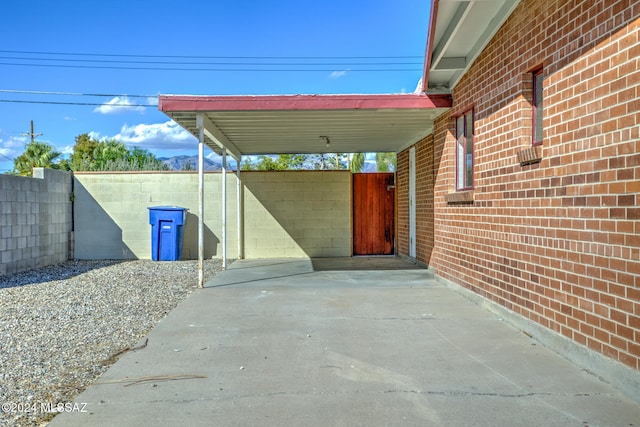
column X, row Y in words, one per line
column 433, row 15
column 168, row 103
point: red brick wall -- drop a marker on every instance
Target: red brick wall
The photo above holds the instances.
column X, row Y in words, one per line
column 402, row 195
column 556, row 241
column 424, row 199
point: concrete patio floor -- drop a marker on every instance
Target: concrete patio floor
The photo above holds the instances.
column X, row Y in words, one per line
column 342, row 342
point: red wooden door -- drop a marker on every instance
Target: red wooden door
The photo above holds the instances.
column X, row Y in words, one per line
column 373, row 213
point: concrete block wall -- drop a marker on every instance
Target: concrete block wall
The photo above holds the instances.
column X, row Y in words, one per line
column 112, row 219
column 286, row 214
column 35, row 220
column 297, row 213
column 557, row 241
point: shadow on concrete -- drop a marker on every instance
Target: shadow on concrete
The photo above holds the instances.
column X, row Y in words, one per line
column 363, row 263
column 256, row 270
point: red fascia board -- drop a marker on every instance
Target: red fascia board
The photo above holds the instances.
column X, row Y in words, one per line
column 169, row 103
column 433, row 14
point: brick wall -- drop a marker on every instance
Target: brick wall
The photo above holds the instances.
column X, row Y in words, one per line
column 424, row 199
column 35, row 220
column 402, row 202
column 557, row 241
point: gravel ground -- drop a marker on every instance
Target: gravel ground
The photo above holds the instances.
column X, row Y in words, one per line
column 62, row 326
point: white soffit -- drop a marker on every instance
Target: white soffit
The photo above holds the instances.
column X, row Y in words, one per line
column 462, row 30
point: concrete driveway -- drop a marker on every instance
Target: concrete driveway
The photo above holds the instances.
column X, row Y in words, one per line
column 344, row 342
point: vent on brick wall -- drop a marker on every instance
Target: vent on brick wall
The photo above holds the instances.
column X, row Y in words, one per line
column 460, row 197
column 529, row 155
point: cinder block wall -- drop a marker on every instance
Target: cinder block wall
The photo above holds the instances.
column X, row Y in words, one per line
column 297, row 213
column 287, row 214
column 558, row 241
column 112, row 219
column 35, row 220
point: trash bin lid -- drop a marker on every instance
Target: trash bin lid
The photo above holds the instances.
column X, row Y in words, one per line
column 167, row 208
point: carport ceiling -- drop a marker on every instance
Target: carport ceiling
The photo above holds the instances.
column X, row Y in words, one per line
column 302, row 123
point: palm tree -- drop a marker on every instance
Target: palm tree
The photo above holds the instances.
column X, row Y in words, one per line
column 36, row 155
column 356, row 162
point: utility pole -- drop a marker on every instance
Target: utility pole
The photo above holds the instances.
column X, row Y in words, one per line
column 32, row 134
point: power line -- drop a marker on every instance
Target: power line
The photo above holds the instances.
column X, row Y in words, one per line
column 206, row 57
column 17, row 101
column 105, row 67
column 111, row 61
column 37, row 92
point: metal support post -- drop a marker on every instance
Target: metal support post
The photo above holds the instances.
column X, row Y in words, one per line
column 200, row 124
column 224, row 209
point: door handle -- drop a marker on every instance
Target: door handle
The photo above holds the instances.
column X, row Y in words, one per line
column 387, row 234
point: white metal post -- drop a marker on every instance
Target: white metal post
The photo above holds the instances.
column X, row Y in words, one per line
column 200, row 124
column 224, row 209
column 240, row 212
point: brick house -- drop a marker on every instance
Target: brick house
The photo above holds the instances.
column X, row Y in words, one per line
column 518, row 175
column 527, row 192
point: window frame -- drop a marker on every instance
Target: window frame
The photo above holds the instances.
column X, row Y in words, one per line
column 467, row 133
column 536, row 139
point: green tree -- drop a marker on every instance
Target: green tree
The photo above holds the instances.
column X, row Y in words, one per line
column 108, row 154
column 292, row 161
column 279, row 163
column 36, row 155
column 329, row 161
column 356, row 162
column 187, row 167
column 83, row 153
column 141, row 159
column 247, row 165
column 267, row 163
column 386, row 162
column 89, row 154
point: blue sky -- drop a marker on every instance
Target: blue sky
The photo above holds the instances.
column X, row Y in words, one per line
column 336, row 40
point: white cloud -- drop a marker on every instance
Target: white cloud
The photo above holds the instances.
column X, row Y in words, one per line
column 12, row 147
column 69, row 118
column 338, row 74
column 157, row 136
column 96, row 135
column 122, row 104
column 66, row 150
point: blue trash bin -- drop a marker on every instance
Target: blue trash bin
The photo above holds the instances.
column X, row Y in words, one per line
column 167, row 232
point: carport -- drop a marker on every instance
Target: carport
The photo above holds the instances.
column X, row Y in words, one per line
column 297, row 124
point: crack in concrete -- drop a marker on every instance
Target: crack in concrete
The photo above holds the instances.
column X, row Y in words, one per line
column 449, row 393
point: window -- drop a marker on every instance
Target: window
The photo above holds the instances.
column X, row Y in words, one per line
column 464, row 151
column 538, row 78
